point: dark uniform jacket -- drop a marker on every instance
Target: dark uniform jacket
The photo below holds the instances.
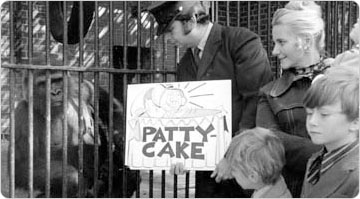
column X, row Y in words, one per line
column 237, row 54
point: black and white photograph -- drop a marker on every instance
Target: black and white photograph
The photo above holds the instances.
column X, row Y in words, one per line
column 180, row 99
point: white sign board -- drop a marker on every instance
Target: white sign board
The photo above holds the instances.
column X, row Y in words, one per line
column 188, row 122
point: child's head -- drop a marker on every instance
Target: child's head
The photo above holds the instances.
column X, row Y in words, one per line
column 256, row 158
column 332, row 106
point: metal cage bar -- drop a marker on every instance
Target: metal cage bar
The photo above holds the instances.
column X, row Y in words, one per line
column 125, row 62
column 138, row 67
column 342, row 45
column 187, row 182
column 163, row 182
column 111, row 103
column 12, row 133
column 48, row 134
column 65, row 136
column 81, row 187
column 349, row 23
column 96, row 131
column 31, row 105
column 12, row 103
column 152, row 67
column 238, row 6
column 31, row 134
column 227, row 13
column 336, row 27
column 81, row 142
column 258, row 17
column 48, row 106
column 249, row 15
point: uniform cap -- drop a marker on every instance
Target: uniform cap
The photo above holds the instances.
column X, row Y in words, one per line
column 166, row 12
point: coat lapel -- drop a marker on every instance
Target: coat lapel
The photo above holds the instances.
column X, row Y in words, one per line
column 282, row 84
column 211, row 47
column 336, row 176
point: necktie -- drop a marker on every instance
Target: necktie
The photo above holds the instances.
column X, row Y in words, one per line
column 197, row 57
column 327, row 159
column 314, row 170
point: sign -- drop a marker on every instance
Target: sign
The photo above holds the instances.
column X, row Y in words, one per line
column 188, row 122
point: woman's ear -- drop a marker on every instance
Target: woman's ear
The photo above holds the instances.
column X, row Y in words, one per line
column 254, row 177
column 299, row 43
column 354, row 126
column 308, row 42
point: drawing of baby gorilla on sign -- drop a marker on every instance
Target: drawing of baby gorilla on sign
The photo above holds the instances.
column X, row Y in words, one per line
column 162, row 101
column 184, row 122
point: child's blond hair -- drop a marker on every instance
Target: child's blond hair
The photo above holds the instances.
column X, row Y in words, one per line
column 257, row 150
column 339, row 83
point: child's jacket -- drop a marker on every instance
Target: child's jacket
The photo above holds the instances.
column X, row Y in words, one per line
column 340, row 181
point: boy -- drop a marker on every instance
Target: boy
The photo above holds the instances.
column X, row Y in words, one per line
column 256, row 158
column 332, row 106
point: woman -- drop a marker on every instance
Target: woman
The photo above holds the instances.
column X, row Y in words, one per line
column 298, row 33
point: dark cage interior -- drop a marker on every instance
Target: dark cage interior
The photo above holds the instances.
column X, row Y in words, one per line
column 65, row 67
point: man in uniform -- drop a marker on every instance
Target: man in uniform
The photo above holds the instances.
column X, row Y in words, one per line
column 216, row 52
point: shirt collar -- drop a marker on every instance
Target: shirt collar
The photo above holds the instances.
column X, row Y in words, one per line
column 350, row 145
column 328, row 158
column 203, row 40
column 271, row 190
column 260, row 192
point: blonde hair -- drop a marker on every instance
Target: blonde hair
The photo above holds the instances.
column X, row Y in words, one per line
column 304, row 19
column 257, row 150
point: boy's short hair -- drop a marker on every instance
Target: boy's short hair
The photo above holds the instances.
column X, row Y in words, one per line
column 260, row 151
column 341, row 83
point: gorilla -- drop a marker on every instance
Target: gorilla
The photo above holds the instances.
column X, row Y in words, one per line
column 73, row 131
